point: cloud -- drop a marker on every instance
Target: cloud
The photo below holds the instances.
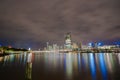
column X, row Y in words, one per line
column 50, row 20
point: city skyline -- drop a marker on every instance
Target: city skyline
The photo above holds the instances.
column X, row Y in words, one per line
column 68, row 43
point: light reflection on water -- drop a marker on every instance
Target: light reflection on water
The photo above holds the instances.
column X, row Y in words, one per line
column 102, row 66
column 61, row 66
column 92, row 66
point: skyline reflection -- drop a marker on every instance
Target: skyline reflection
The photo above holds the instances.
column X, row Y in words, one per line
column 66, row 66
column 92, row 66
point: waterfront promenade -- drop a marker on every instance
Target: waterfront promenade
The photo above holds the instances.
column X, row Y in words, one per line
column 79, row 51
column 65, row 51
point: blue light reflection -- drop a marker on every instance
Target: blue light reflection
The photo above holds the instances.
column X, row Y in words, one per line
column 79, row 62
column 102, row 66
column 92, row 66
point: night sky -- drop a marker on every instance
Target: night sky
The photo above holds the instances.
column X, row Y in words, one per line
column 26, row 23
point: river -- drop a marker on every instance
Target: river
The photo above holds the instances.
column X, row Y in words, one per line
column 60, row 66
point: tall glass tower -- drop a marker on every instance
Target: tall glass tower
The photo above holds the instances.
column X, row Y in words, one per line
column 68, row 42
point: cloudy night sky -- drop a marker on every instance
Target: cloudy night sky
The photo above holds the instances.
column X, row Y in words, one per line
column 26, row 23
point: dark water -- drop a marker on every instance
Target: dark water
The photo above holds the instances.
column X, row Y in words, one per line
column 64, row 66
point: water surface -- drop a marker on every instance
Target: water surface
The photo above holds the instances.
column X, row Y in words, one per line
column 60, row 66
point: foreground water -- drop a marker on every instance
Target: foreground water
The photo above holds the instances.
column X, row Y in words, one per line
column 60, row 66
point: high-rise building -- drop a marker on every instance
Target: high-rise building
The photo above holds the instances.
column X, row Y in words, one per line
column 68, row 42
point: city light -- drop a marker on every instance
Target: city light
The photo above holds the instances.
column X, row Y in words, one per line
column 99, row 44
column 91, row 44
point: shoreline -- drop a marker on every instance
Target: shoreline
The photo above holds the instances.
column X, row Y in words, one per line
column 4, row 54
column 9, row 53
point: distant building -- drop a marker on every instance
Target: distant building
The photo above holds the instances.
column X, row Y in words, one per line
column 80, row 45
column 75, row 46
column 68, row 42
column 47, row 43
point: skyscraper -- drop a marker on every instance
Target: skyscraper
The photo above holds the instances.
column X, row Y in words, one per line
column 68, row 42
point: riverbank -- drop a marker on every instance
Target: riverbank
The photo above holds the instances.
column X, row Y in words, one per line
column 11, row 52
column 4, row 54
